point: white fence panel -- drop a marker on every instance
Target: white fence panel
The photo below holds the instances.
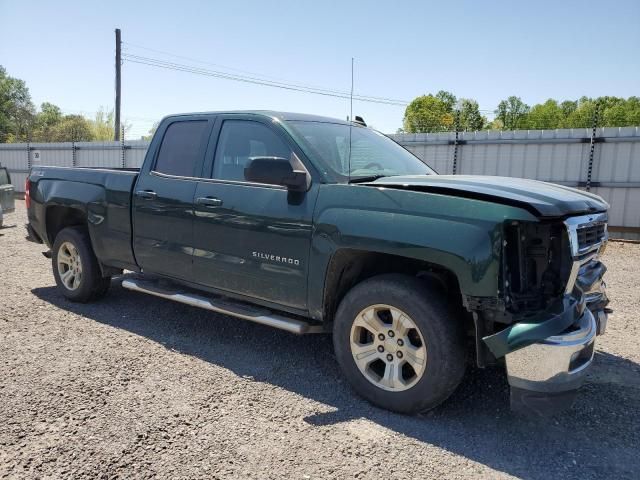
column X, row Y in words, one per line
column 13, row 156
column 98, row 154
column 52, row 154
column 560, row 156
column 134, row 154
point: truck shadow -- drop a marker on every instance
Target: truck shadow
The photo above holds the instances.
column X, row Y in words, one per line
column 598, row 438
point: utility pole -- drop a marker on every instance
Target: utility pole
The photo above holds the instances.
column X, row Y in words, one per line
column 116, row 133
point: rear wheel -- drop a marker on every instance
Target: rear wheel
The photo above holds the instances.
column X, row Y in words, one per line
column 75, row 266
column 398, row 345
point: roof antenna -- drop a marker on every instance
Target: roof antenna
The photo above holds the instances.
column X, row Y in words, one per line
column 350, row 122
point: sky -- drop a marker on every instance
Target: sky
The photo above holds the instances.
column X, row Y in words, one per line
column 64, row 50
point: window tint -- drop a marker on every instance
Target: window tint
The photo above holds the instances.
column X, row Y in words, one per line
column 239, row 141
column 4, row 176
column 180, row 150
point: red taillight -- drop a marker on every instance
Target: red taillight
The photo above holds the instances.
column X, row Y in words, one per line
column 27, row 192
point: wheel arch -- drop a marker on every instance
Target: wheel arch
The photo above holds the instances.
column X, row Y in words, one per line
column 59, row 217
column 348, row 266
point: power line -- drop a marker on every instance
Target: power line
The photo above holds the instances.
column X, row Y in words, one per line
column 190, row 69
column 256, row 78
column 195, row 60
column 259, row 77
column 159, row 63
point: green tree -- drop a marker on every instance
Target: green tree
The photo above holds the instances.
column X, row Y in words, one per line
column 154, row 127
column 448, row 98
column 16, row 109
column 567, row 107
column 470, row 118
column 618, row 112
column 633, row 111
column 512, row 113
column 494, row 124
column 547, row 115
column 73, row 128
column 103, row 125
column 615, row 115
column 582, row 116
column 428, row 113
column 45, row 120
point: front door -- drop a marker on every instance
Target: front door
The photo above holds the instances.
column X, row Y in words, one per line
column 252, row 239
column 163, row 199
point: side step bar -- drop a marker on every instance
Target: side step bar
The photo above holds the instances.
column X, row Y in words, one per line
column 224, row 306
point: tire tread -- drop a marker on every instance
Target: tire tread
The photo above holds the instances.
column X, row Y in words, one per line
column 442, row 332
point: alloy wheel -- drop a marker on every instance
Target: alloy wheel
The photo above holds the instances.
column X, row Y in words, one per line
column 388, row 348
column 69, row 266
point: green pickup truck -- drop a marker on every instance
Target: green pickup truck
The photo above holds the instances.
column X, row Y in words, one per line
column 312, row 224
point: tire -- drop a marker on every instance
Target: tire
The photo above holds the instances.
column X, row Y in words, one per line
column 72, row 252
column 437, row 338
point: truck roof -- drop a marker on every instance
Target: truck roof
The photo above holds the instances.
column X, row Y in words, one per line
column 283, row 116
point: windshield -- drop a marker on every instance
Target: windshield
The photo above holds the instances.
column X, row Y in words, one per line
column 372, row 153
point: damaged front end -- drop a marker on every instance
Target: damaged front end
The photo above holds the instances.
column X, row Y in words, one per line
column 553, row 306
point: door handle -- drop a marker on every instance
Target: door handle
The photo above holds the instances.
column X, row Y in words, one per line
column 209, row 201
column 146, row 194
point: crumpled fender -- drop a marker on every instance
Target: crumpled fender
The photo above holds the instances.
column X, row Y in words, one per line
column 590, row 275
column 552, row 321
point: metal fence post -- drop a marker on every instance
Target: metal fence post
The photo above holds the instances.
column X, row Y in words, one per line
column 456, row 122
column 29, row 153
column 74, row 161
column 592, row 148
column 122, row 152
column 74, row 135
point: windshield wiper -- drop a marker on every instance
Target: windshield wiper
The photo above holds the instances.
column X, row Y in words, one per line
column 368, row 178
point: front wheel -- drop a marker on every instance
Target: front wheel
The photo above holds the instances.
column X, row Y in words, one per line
column 398, row 345
column 75, row 266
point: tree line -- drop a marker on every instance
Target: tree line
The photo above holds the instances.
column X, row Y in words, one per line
column 443, row 112
column 20, row 121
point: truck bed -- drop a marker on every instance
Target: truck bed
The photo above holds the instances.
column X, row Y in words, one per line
column 104, row 196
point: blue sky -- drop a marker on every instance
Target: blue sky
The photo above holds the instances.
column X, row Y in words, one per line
column 483, row 50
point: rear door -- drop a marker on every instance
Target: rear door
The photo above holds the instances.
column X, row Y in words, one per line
column 7, row 202
column 252, row 239
column 163, row 197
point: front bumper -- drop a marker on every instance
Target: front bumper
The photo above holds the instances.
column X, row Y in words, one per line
column 545, row 376
column 548, row 353
column 558, row 363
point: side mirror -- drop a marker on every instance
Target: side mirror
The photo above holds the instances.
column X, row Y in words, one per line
column 276, row 171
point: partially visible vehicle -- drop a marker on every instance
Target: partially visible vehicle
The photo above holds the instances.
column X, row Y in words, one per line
column 7, row 202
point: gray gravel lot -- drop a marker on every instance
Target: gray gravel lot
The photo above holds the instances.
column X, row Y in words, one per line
column 135, row 386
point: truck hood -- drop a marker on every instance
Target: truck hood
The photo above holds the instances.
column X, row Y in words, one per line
column 541, row 198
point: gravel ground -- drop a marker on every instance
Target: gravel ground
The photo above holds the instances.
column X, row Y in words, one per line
column 135, row 386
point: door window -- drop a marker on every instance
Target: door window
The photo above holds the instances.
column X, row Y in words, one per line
column 181, row 149
column 241, row 140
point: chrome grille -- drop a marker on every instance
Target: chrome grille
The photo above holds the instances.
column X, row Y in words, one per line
column 590, row 235
column 587, row 236
column 587, row 233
